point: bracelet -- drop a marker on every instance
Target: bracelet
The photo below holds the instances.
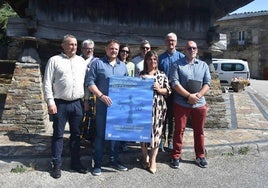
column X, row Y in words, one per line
column 188, row 96
column 101, row 96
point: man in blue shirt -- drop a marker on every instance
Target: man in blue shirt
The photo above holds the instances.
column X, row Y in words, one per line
column 166, row 59
column 98, row 83
column 187, row 73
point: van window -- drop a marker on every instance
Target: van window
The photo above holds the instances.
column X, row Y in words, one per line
column 215, row 66
column 232, row 67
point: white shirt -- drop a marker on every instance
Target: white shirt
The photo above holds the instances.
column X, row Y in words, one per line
column 138, row 61
column 64, row 78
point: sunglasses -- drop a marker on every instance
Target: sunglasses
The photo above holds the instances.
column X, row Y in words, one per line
column 191, row 48
column 124, row 51
column 145, row 48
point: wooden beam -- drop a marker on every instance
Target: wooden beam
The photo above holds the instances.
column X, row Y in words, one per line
column 101, row 33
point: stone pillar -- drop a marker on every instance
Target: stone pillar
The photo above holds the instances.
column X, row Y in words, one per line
column 25, row 109
column 217, row 114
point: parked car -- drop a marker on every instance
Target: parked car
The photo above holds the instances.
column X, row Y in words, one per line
column 228, row 69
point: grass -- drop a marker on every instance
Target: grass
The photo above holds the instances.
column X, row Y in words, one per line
column 18, row 169
column 244, row 150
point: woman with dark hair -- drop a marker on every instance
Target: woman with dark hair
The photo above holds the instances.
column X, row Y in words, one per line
column 161, row 89
column 124, row 55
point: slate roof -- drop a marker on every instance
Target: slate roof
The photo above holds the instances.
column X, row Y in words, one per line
column 244, row 15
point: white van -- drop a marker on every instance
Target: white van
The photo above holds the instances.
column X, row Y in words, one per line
column 231, row 68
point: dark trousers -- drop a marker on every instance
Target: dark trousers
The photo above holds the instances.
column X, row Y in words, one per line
column 72, row 112
column 198, row 118
column 169, row 121
column 99, row 142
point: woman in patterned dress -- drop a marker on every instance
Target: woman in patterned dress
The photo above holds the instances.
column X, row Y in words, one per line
column 161, row 89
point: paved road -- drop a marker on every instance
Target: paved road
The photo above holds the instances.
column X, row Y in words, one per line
column 244, row 171
column 225, row 170
column 260, row 86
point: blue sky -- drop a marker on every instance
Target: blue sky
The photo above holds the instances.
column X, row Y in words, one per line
column 256, row 5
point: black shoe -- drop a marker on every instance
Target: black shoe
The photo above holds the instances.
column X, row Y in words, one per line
column 56, row 172
column 202, row 162
column 175, row 163
column 79, row 169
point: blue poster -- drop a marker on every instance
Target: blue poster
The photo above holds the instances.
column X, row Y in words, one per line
column 129, row 118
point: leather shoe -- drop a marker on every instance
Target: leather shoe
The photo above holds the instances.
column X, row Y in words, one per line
column 56, row 172
column 79, row 169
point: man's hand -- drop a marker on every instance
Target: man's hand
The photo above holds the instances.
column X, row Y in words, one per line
column 193, row 98
column 52, row 109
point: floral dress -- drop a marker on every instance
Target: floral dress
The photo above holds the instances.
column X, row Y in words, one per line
column 159, row 109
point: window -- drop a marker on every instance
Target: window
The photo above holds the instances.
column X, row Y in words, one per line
column 241, row 37
column 232, row 67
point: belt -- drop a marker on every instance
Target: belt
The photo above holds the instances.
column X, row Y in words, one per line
column 65, row 101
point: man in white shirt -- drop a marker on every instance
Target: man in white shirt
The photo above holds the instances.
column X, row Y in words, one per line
column 87, row 49
column 63, row 90
column 138, row 60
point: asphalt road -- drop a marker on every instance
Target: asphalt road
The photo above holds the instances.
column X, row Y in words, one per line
column 261, row 86
column 223, row 171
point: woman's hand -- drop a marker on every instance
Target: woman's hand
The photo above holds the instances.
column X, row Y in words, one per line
column 157, row 87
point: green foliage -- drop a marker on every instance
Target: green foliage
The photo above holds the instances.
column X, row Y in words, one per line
column 6, row 12
column 228, row 154
column 244, row 150
column 18, row 169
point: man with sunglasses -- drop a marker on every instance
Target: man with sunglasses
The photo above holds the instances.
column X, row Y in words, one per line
column 190, row 78
column 138, row 60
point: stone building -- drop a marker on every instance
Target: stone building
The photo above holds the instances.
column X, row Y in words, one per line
column 247, row 38
column 37, row 33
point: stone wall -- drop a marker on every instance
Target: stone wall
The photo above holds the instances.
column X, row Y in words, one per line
column 217, row 116
column 254, row 47
column 25, row 109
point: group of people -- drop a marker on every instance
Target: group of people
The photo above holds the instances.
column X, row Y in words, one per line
column 70, row 81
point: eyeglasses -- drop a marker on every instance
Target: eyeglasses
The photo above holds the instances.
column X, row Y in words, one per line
column 145, row 48
column 171, row 40
column 191, row 48
column 89, row 49
column 124, row 51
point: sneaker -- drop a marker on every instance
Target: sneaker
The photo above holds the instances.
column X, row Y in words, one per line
column 201, row 162
column 96, row 172
column 175, row 163
column 56, row 172
column 118, row 166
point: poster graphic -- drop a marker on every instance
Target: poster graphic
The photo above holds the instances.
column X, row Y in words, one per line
column 129, row 118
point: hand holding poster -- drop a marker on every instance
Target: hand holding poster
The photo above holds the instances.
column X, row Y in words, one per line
column 129, row 118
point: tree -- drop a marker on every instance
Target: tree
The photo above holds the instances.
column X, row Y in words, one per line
column 6, row 12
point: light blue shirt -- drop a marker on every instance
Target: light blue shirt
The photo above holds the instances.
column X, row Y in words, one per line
column 100, row 72
column 166, row 60
column 181, row 71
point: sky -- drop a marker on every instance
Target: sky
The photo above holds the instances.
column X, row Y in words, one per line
column 256, row 5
